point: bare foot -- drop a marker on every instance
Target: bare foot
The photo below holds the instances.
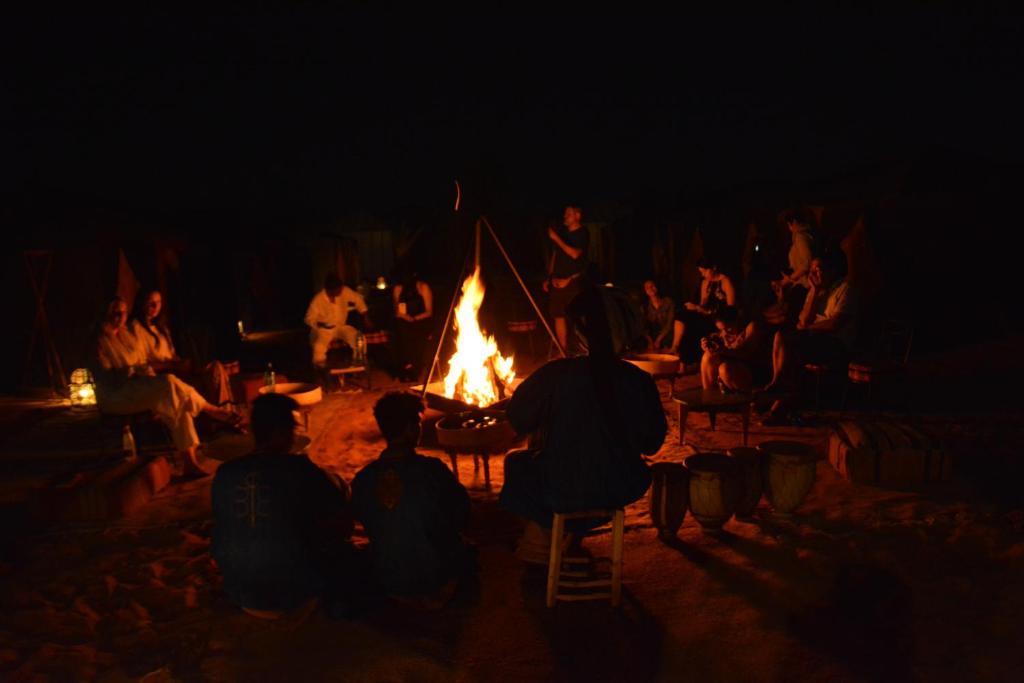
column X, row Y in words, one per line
column 197, row 466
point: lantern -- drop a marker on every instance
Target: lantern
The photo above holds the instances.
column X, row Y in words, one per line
column 382, row 283
column 82, row 389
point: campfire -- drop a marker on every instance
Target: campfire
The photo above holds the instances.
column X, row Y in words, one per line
column 478, row 375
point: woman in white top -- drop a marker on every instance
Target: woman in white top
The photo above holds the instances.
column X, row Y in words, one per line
column 126, row 384
column 154, row 335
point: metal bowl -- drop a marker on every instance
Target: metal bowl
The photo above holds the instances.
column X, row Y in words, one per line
column 305, row 394
column 474, row 429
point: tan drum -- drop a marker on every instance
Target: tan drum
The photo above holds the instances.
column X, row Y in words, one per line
column 670, row 496
column 750, row 473
column 789, row 474
column 714, row 489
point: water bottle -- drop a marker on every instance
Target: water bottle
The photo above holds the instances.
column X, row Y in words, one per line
column 269, row 379
column 128, row 443
column 360, row 351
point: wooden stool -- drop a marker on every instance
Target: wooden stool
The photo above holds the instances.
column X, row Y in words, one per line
column 579, row 582
column 341, row 373
column 817, row 370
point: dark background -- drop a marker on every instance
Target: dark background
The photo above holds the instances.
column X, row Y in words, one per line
column 258, row 132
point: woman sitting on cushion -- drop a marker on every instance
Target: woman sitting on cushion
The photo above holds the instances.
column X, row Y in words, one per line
column 154, row 336
column 126, row 384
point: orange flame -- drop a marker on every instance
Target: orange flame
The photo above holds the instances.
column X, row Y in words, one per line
column 476, row 367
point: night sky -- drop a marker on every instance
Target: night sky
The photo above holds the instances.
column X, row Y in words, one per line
column 313, row 113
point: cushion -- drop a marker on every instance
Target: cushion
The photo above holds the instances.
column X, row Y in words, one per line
column 887, row 452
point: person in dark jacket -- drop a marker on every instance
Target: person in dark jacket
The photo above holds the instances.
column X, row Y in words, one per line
column 413, row 510
column 281, row 524
column 596, row 416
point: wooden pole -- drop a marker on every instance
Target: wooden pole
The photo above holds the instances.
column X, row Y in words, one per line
column 444, row 330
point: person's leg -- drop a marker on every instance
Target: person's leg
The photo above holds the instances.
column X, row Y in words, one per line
column 175, row 404
column 562, row 332
column 320, row 340
column 736, row 376
column 709, row 363
column 778, row 359
column 678, row 329
column 217, row 382
column 347, row 334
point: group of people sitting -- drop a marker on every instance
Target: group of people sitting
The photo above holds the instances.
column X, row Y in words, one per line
column 812, row 320
column 282, row 526
column 136, row 369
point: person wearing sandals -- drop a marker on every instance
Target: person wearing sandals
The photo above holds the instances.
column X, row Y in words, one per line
column 154, row 334
column 127, row 384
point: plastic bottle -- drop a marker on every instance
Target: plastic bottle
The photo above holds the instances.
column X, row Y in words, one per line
column 269, row 378
column 360, row 350
column 128, row 443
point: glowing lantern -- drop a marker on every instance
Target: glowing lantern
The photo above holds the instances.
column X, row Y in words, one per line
column 382, row 283
column 82, row 389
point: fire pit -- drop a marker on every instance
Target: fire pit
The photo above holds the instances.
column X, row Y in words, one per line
column 479, row 433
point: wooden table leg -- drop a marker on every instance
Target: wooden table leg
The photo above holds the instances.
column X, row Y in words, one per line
column 684, row 411
column 746, row 423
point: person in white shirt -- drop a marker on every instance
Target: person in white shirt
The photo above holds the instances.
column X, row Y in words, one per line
column 126, row 384
column 327, row 317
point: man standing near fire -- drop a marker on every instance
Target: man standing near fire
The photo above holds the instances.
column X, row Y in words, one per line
column 568, row 268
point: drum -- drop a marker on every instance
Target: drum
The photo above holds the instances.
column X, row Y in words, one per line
column 669, row 497
column 714, row 489
column 750, row 473
column 789, row 474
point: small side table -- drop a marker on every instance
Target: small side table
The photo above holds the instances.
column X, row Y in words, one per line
column 712, row 402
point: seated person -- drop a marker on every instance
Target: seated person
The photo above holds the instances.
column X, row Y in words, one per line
column 414, row 311
column 126, row 384
column 153, row 332
column 281, row 525
column 327, row 317
column 695, row 321
column 659, row 313
column 732, row 354
column 826, row 328
column 413, row 510
column 597, row 415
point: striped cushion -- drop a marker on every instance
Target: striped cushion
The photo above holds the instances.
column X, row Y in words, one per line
column 887, row 452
